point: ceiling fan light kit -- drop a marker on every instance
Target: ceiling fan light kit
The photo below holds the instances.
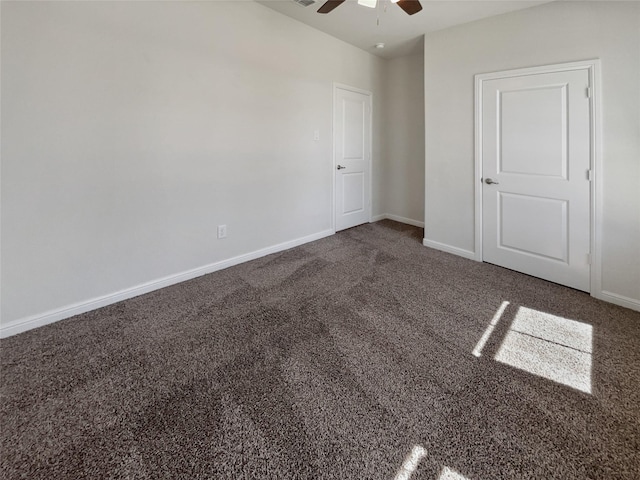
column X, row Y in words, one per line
column 411, row 7
column 368, row 3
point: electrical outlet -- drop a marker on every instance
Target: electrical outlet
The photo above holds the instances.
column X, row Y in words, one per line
column 222, row 231
column 316, row 135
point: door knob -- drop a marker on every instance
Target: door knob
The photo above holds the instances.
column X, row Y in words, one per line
column 340, row 167
column 489, row 181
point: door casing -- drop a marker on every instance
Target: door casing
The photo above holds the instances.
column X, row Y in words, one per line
column 595, row 162
column 341, row 86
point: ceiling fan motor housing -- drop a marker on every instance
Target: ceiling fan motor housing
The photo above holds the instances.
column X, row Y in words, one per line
column 305, row 3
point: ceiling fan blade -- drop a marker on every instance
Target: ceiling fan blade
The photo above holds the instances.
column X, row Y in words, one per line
column 410, row 6
column 330, row 5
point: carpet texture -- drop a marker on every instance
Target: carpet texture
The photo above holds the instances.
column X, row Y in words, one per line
column 361, row 355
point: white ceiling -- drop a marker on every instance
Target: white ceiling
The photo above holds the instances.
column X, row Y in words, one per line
column 389, row 24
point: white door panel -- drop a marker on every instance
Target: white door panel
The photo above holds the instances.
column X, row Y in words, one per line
column 545, row 232
column 523, row 111
column 352, row 151
column 536, row 148
column 354, row 115
column 353, row 192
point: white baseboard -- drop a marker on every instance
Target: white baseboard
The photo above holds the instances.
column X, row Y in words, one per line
column 38, row 320
column 397, row 218
column 449, row 249
column 408, row 221
column 621, row 300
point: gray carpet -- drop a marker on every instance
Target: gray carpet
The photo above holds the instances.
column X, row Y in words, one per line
column 336, row 360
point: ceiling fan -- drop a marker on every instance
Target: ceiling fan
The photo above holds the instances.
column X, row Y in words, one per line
column 409, row 6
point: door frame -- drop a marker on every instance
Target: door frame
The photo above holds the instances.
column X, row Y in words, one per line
column 595, row 162
column 340, row 86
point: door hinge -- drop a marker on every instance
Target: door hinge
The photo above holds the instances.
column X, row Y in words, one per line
column 588, row 92
column 588, row 259
column 590, row 175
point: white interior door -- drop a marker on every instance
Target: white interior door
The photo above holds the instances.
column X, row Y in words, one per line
column 352, row 154
column 536, row 154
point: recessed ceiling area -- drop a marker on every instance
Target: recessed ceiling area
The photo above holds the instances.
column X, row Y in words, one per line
column 387, row 23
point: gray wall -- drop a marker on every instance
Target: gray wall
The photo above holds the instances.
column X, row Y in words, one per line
column 552, row 33
column 403, row 126
column 130, row 130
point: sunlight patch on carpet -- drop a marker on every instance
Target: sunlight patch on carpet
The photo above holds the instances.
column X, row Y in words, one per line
column 549, row 346
column 410, row 463
column 449, row 474
column 492, row 325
